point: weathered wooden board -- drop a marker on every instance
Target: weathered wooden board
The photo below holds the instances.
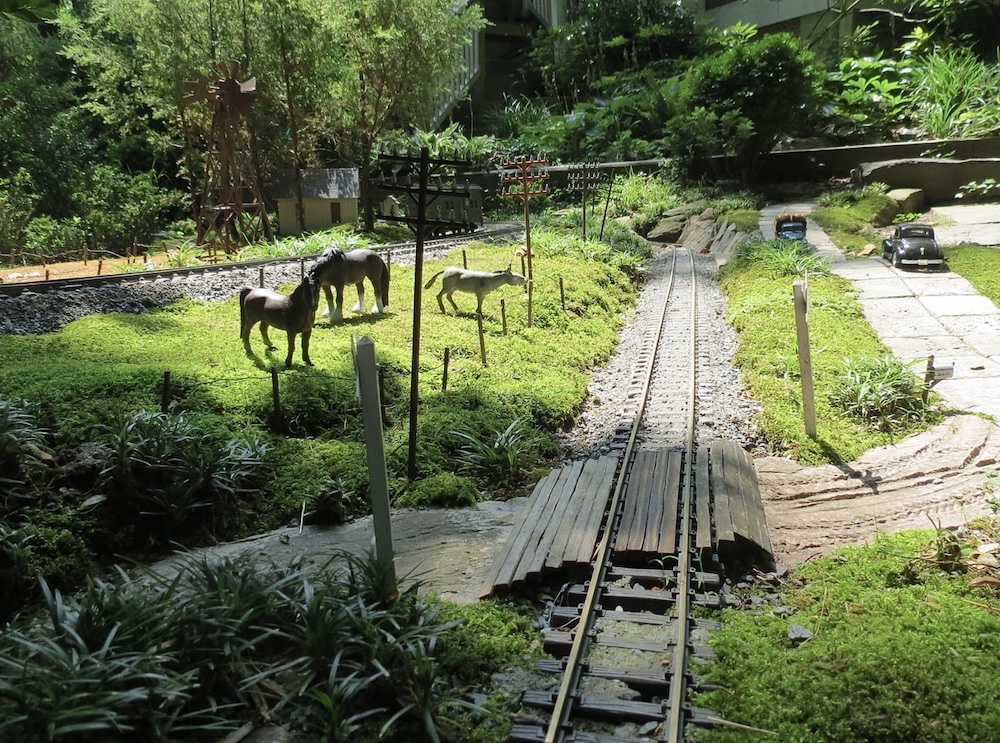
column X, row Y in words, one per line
column 559, row 525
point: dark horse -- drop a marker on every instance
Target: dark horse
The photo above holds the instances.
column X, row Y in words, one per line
column 295, row 314
column 337, row 268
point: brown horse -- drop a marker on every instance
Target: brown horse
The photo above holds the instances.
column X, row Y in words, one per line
column 337, row 269
column 295, row 314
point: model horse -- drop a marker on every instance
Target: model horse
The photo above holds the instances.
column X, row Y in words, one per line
column 337, row 269
column 294, row 314
column 479, row 283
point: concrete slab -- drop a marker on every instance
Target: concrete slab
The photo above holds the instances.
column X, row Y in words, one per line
column 969, row 367
column 970, row 214
column 901, row 317
column 963, row 305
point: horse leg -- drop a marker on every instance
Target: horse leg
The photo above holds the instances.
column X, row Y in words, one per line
column 263, row 334
column 377, row 288
column 245, row 327
column 329, row 301
column 360, row 306
column 451, row 299
column 306, row 334
column 337, row 314
column 291, row 350
column 440, row 303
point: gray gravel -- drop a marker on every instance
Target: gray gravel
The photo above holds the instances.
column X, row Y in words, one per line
column 31, row 312
column 725, row 408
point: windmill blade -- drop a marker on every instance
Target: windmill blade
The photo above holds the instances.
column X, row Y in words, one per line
column 197, row 89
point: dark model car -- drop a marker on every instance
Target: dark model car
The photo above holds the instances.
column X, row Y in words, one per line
column 790, row 226
column 912, row 245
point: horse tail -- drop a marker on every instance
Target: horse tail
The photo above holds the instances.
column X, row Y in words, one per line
column 385, row 284
column 428, row 284
column 243, row 307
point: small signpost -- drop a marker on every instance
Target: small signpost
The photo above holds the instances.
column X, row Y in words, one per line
column 934, row 374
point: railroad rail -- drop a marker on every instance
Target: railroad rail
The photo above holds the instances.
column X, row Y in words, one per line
column 624, row 637
column 492, row 231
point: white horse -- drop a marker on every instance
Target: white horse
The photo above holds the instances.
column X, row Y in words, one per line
column 479, row 283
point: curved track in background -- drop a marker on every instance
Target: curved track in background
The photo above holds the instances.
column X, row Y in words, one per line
column 492, row 231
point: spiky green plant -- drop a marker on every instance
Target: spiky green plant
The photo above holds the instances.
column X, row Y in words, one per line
column 881, row 391
column 502, row 457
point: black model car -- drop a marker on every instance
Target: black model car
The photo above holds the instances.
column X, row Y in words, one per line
column 790, row 227
column 913, row 245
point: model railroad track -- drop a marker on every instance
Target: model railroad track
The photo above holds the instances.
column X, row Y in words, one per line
column 401, row 251
column 625, row 637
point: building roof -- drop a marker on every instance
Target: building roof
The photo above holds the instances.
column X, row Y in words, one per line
column 318, row 183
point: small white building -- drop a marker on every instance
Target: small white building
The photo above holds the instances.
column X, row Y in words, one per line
column 330, row 196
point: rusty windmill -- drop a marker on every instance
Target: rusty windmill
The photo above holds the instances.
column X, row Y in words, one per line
column 231, row 213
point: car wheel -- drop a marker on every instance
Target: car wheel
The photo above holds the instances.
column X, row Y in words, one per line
column 897, row 262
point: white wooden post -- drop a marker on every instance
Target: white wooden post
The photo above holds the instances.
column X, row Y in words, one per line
column 367, row 372
column 800, row 289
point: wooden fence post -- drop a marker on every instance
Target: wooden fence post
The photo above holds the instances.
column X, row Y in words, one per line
column 165, row 393
column 503, row 314
column 800, row 290
column 375, row 446
column 562, row 294
column 444, row 375
column 278, row 414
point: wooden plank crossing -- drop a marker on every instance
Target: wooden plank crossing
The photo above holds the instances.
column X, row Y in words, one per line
column 562, row 520
column 560, row 524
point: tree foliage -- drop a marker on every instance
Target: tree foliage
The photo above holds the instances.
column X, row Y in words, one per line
column 741, row 99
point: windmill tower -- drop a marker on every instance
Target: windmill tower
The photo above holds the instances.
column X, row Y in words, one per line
column 231, row 212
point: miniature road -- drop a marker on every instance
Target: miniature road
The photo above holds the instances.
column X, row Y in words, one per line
column 922, row 313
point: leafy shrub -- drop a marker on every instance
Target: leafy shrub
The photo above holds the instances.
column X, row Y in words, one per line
column 119, row 210
column 22, row 441
column 445, row 490
column 882, row 391
column 162, row 473
column 48, row 240
column 17, row 204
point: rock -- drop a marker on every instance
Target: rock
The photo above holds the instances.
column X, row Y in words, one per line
column 939, row 178
column 799, row 634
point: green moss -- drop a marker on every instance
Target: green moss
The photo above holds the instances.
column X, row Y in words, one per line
column 445, row 490
column 888, row 660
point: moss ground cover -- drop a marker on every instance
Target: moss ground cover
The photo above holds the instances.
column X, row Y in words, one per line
column 902, row 650
column 100, row 369
column 760, row 308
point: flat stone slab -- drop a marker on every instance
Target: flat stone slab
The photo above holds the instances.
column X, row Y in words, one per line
column 865, row 268
column 968, row 367
column 982, row 234
column 943, row 347
column 881, row 288
column 929, row 284
column 975, row 395
column 897, row 317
